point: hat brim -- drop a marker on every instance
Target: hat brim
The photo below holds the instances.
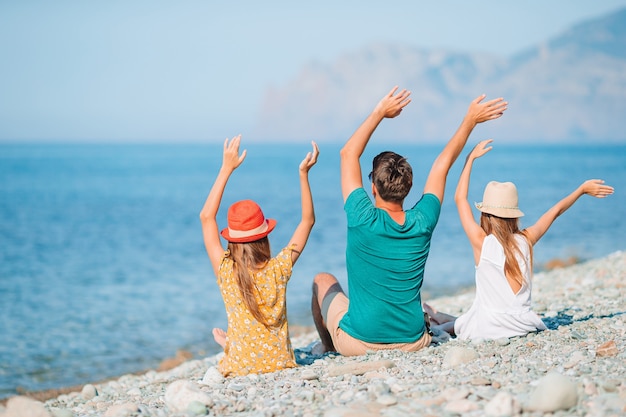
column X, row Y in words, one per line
column 271, row 224
column 505, row 213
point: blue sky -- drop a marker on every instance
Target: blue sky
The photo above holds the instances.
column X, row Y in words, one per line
column 196, row 70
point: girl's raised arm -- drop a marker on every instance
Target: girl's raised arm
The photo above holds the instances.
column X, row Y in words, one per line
column 303, row 230
column 474, row 232
column 594, row 188
column 230, row 161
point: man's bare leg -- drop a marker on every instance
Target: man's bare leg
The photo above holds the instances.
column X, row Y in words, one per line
column 322, row 283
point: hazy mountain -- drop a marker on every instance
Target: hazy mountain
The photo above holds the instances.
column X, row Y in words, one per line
column 569, row 88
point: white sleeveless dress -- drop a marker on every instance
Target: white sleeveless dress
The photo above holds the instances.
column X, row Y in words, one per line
column 497, row 311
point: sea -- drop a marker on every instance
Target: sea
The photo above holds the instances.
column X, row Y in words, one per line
column 103, row 270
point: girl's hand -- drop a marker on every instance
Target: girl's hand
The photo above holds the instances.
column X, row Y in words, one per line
column 596, row 188
column 231, row 158
column 310, row 159
column 480, row 149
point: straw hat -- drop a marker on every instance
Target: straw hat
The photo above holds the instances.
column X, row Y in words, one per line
column 246, row 223
column 500, row 199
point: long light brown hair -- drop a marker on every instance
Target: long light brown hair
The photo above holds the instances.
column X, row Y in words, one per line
column 247, row 257
column 505, row 230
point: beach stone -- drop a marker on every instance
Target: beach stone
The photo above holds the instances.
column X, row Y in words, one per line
column 88, row 392
column 359, row 368
column 503, row 341
column 503, row 404
column 609, row 385
column 607, row 349
column 608, row 403
column 577, row 335
column 237, row 387
column 457, row 355
column 62, row 412
column 179, row 394
column 455, row 394
column 553, row 392
column 479, row 380
column 309, row 375
column 21, row 406
column 196, row 408
column 461, row 406
column 574, row 359
column 387, row 399
column 212, row 376
column 590, row 387
column 122, row 410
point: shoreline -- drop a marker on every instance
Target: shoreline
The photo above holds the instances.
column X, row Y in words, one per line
column 183, row 355
column 583, row 305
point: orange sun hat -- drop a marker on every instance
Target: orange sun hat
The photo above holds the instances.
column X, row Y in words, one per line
column 246, row 223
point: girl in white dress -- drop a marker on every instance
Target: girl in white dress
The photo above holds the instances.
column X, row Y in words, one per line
column 503, row 257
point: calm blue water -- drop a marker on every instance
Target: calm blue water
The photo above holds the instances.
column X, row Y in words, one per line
column 103, row 269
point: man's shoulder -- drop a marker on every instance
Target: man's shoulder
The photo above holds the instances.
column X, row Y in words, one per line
column 428, row 202
column 357, row 200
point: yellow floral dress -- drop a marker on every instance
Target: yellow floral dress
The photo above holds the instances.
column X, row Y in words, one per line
column 250, row 346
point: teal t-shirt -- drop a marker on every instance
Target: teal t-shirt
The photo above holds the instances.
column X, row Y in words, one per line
column 385, row 264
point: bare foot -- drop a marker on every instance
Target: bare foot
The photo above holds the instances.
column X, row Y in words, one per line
column 220, row 337
column 437, row 317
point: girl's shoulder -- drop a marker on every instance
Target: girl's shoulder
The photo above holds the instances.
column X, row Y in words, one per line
column 285, row 253
column 282, row 258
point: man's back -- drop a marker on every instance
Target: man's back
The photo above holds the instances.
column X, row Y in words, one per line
column 385, row 262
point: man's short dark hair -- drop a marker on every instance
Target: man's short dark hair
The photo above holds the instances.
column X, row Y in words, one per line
column 392, row 175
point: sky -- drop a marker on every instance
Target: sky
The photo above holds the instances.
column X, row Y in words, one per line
column 191, row 70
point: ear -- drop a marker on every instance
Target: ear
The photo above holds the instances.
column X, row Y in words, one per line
column 373, row 190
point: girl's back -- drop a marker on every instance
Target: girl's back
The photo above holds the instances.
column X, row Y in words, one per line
column 252, row 346
column 497, row 310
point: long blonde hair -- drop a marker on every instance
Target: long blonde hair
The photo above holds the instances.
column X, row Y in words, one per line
column 505, row 230
column 249, row 257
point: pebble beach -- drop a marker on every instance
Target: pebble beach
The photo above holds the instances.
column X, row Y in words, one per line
column 576, row 368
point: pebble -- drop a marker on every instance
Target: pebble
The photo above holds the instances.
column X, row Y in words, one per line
column 212, row 376
column 577, row 369
column 88, row 392
column 553, row 392
column 458, row 355
column 503, row 404
column 503, row 341
column 179, row 394
column 607, row 349
column 480, row 381
column 23, row 406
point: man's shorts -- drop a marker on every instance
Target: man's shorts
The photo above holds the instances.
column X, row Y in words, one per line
column 334, row 307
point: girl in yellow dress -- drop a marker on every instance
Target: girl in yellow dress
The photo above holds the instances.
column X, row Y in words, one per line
column 252, row 283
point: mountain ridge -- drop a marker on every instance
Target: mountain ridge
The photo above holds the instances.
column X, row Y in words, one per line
column 570, row 88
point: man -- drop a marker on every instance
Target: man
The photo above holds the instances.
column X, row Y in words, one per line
column 387, row 247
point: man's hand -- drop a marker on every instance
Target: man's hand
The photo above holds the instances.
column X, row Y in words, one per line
column 479, row 112
column 390, row 106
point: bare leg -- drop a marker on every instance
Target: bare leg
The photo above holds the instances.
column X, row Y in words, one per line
column 437, row 317
column 447, row 327
column 321, row 284
column 220, row 337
